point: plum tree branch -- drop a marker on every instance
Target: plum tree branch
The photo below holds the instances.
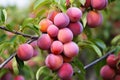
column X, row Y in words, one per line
column 18, row 33
column 12, row 56
column 98, row 60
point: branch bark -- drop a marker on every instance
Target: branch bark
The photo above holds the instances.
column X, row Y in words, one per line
column 98, row 60
column 18, row 33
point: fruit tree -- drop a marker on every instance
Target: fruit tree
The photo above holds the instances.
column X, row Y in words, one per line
column 60, row 40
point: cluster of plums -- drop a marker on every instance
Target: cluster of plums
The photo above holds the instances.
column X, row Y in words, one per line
column 58, row 30
column 94, row 17
column 111, row 71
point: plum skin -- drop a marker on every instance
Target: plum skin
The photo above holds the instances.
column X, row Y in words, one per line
column 53, row 61
column 66, row 71
column 19, row 77
column 94, row 19
column 107, row 72
column 57, row 47
column 74, row 14
column 65, row 35
column 99, row 4
column 52, row 30
column 25, row 51
column 71, row 49
column 76, row 28
column 61, row 20
column 44, row 42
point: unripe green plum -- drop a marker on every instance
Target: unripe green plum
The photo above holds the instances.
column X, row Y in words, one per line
column 44, row 42
column 66, row 71
column 65, row 35
column 99, row 4
column 107, row 72
column 71, row 49
column 57, row 47
column 19, row 77
column 52, row 30
column 76, row 28
column 61, row 20
column 53, row 61
column 25, row 52
column 74, row 14
column 94, row 19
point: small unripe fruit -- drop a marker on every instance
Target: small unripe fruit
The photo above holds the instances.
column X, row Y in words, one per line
column 44, row 24
column 57, row 47
column 61, row 20
column 53, row 61
column 52, row 30
column 25, row 51
column 107, row 72
column 19, row 77
column 74, row 14
column 65, row 35
column 71, row 49
column 76, row 28
column 66, row 71
column 94, row 19
column 112, row 61
column 44, row 42
column 99, row 4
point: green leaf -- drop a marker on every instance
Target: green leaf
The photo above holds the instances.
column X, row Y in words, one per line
column 92, row 46
column 82, row 1
column 80, row 65
column 78, row 69
column 61, row 5
column 42, row 71
column 20, row 64
column 115, row 40
column 100, row 44
column 9, row 27
column 3, row 15
column 15, row 69
column 41, row 3
column 84, row 19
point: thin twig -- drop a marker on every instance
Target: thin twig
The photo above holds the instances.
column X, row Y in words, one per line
column 18, row 33
column 98, row 60
column 12, row 56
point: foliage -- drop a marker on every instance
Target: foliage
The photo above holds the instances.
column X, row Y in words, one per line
column 93, row 43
